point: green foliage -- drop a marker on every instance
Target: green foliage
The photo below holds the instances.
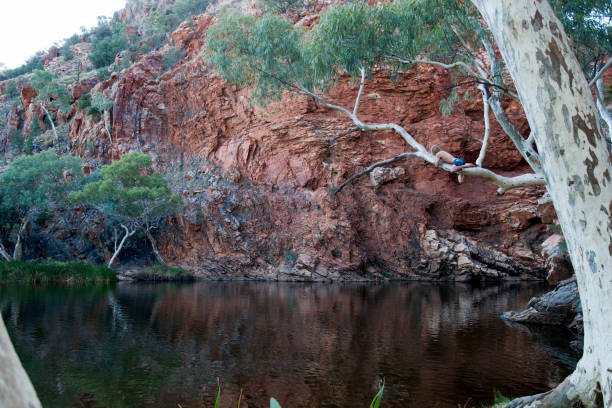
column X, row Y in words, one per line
column 378, row 397
column 98, row 103
column 283, row 6
column 172, row 57
column 159, row 23
column 59, row 272
column 35, row 129
column 102, row 74
column 31, row 184
column 11, row 90
column 128, row 194
column 447, row 105
column 107, row 40
column 272, row 54
column 589, row 24
column 72, row 40
column 85, row 101
column 66, row 52
column 163, row 272
column 29, row 145
column 266, row 52
column 30, row 65
column 17, row 141
column 50, row 90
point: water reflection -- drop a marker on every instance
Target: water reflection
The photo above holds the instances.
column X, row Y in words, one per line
column 309, row 345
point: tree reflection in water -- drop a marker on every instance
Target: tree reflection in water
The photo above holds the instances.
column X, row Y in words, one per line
column 308, row 345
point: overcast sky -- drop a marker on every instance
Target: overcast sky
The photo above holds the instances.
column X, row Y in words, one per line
column 27, row 26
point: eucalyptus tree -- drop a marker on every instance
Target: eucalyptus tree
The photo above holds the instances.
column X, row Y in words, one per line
column 132, row 197
column 567, row 149
column 31, row 185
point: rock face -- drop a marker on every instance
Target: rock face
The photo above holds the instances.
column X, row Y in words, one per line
column 257, row 182
column 558, row 263
column 558, row 307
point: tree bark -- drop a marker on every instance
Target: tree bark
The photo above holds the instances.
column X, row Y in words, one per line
column 577, row 165
column 18, row 250
column 487, row 123
column 155, row 251
column 16, row 390
column 128, row 234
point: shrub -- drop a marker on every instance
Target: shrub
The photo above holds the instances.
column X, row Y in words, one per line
column 283, row 6
column 11, row 90
column 72, row 40
column 85, row 101
column 66, row 52
column 107, row 42
column 102, row 74
column 98, row 103
column 17, row 141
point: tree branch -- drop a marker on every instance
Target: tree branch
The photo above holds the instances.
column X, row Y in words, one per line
column 487, row 123
column 600, row 72
column 42, row 106
column 460, row 64
column 362, row 70
column 524, row 147
column 4, row 253
column 372, row 167
column 504, row 183
column 601, row 106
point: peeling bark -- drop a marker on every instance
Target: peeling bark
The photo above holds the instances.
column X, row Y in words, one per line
column 577, row 164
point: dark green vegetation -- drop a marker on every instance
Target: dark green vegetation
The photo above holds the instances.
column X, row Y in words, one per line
column 30, row 187
column 112, row 37
column 131, row 197
column 40, row 188
column 57, row 272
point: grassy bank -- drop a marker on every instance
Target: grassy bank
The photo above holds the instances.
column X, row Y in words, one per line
column 56, row 272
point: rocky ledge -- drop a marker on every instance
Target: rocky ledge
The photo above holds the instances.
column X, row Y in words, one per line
column 560, row 307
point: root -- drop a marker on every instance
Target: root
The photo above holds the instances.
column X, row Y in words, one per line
column 563, row 396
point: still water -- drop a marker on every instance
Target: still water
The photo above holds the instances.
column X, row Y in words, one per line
column 308, row 345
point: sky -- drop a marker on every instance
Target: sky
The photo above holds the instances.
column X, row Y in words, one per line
column 27, row 26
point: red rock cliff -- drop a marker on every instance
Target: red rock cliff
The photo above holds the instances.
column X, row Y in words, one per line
column 255, row 181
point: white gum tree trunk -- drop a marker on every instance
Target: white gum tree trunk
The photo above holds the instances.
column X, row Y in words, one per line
column 577, row 165
column 16, row 390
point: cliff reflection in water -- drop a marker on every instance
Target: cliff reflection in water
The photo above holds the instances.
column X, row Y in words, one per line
column 308, row 345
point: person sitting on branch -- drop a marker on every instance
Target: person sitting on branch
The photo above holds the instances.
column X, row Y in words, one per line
column 455, row 162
